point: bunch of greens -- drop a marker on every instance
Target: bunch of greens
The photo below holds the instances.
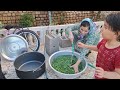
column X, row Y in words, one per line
column 62, row 64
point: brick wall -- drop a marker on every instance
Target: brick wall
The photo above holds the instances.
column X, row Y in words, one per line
column 58, row 17
column 67, row 17
column 13, row 17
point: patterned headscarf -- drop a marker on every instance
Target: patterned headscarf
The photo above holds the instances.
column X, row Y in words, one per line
column 92, row 27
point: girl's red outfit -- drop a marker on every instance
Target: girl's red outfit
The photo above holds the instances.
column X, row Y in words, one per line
column 108, row 59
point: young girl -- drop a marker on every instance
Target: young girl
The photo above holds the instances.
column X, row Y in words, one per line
column 108, row 58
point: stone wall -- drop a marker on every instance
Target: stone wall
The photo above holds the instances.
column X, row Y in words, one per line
column 41, row 18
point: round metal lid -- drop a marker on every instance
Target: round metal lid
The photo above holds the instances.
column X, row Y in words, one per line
column 12, row 46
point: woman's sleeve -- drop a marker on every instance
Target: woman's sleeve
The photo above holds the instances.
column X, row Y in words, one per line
column 72, row 28
column 90, row 41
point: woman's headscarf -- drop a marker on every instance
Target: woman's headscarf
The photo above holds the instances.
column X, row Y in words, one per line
column 92, row 26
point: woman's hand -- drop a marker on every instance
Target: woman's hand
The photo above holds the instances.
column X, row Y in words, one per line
column 71, row 37
column 75, row 66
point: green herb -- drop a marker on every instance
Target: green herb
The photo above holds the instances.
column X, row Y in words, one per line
column 26, row 20
column 1, row 25
column 62, row 64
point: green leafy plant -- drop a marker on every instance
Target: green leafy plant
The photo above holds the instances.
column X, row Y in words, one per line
column 26, row 20
column 1, row 25
column 62, row 64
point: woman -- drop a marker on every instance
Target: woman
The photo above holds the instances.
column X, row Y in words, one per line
column 84, row 32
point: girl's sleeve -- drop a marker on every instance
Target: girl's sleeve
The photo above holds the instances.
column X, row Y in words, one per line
column 100, row 43
column 117, row 59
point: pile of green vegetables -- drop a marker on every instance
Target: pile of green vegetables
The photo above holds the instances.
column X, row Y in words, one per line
column 63, row 63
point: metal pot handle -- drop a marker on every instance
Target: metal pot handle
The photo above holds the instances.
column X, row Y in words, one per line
column 37, row 69
column 24, row 51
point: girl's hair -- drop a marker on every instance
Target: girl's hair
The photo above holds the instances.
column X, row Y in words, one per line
column 113, row 21
column 85, row 24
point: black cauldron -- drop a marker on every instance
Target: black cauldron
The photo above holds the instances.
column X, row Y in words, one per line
column 30, row 65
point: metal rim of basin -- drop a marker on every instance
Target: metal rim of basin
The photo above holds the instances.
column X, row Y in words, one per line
column 64, row 73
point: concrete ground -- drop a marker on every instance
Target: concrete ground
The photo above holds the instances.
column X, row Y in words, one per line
column 8, row 67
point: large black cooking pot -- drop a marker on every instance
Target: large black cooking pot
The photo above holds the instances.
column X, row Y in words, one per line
column 30, row 65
